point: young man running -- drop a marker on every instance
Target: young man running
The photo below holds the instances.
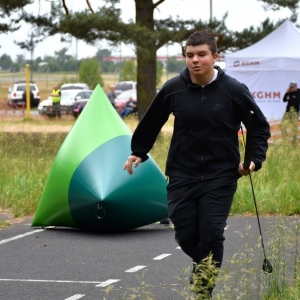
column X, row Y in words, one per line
column 203, row 163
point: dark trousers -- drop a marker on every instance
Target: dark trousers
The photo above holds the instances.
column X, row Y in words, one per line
column 56, row 109
column 199, row 210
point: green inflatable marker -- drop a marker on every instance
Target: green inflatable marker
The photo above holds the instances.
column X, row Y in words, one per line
column 87, row 187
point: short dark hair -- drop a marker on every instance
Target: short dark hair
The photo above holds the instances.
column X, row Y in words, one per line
column 200, row 38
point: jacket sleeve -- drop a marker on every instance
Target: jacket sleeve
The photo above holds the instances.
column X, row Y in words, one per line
column 285, row 97
column 260, row 125
column 150, row 125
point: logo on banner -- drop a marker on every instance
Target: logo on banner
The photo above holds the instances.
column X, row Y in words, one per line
column 238, row 63
column 261, row 96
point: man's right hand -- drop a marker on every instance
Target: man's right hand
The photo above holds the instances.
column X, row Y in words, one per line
column 128, row 164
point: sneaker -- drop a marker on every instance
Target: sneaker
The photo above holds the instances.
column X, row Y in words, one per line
column 171, row 225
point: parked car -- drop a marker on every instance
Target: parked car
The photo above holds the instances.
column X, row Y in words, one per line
column 124, row 86
column 74, row 86
column 67, row 100
column 124, row 97
column 121, row 100
column 15, row 94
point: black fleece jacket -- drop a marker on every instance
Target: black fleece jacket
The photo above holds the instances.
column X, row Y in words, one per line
column 205, row 141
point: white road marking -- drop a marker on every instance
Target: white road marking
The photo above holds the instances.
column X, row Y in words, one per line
column 162, row 256
column 178, row 247
column 107, row 282
column 54, row 281
column 75, row 297
column 21, row 236
column 135, row 269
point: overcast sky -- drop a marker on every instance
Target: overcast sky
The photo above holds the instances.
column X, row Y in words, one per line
column 242, row 14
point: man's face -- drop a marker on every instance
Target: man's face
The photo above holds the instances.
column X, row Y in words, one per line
column 200, row 60
column 293, row 88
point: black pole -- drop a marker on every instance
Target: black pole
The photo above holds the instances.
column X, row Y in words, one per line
column 267, row 267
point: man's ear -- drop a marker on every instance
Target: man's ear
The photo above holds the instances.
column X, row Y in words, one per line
column 215, row 57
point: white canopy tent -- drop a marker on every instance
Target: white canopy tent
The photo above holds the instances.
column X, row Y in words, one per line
column 267, row 67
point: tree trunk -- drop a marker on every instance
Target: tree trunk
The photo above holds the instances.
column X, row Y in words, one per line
column 146, row 57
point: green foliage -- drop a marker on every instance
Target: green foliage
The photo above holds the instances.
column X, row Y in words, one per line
column 61, row 56
column 7, row 8
column 25, row 159
column 31, row 43
column 106, row 66
column 251, row 35
column 159, row 72
column 146, row 35
column 67, row 79
column 5, row 62
column 15, row 68
column 20, row 59
column 61, row 63
column 102, row 53
column 175, row 66
column 276, row 185
column 278, row 4
column 90, row 73
column 128, row 73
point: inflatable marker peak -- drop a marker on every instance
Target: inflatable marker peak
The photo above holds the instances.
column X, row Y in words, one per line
column 87, row 187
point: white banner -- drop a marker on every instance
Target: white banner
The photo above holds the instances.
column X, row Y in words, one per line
column 267, row 68
column 268, row 89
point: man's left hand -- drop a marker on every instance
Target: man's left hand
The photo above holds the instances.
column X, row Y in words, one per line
column 244, row 172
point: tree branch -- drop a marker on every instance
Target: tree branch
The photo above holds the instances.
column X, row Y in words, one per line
column 65, row 7
column 89, row 5
column 157, row 3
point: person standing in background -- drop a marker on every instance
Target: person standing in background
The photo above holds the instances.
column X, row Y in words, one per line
column 56, row 101
column 291, row 115
column 111, row 95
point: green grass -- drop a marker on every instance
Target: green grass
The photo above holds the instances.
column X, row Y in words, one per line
column 276, row 185
column 26, row 158
column 4, row 224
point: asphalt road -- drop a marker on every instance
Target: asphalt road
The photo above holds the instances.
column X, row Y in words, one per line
column 68, row 264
